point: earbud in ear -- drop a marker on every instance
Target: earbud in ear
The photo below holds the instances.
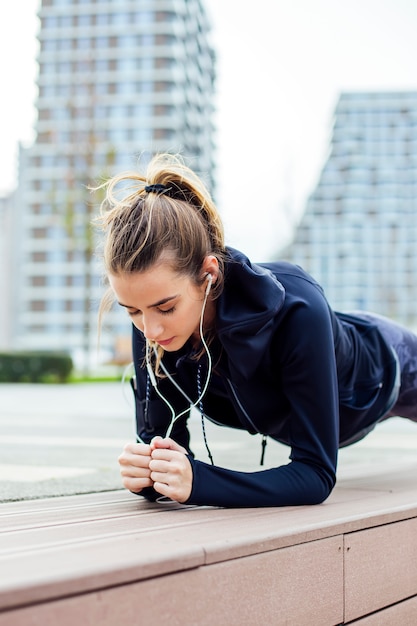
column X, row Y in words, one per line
column 209, row 281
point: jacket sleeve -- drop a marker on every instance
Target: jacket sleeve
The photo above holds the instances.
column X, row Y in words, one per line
column 304, row 349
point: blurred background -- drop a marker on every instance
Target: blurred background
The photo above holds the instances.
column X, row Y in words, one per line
column 301, row 117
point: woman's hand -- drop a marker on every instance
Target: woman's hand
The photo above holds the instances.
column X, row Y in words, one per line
column 171, row 471
column 134, row 467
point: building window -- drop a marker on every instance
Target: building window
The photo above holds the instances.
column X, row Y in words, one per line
column 126, row 88
column 83, row 43
column 101, row 42
column 102, row 19
column 148, row 40
column 66, row 21
column 161, row 109
column 146, row 86
column 143, row 17
column 61, row 113
column 164, row 133
column 38, row 281
column 37, row 328
column 118, row 111
column 163, row 63
column 141, row 110
column 101, row 65
column 164, row 40
column 49, row 45
column 118, row 135
column 100, row 111
column 47, row 91
column 39, row 233
column 38, row 257
column 126, row 64
column 84, row 20
column 82, row 89
column 65, row 44
column 74, row 281
column 74, row 305
column 64, row 67
column 121, row 18
column 142, row 134
column 102, row 88
column 127, row 41
column 161, row 85
column 164, row 16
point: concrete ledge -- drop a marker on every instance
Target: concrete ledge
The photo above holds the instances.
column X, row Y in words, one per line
column 104, row 558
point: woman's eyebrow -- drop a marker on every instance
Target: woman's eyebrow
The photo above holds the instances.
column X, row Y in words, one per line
column 151, row 306
column 163, row 301
column 126, row 306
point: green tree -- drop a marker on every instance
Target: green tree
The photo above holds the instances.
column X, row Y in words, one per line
column 86, row 159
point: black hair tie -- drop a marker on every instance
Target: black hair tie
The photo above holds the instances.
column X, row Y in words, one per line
column 157, row 188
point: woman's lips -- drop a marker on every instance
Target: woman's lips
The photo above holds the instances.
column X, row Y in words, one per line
column 166, row 342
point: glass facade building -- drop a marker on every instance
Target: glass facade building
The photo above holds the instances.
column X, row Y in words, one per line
column 118, row 81
column 358, row 236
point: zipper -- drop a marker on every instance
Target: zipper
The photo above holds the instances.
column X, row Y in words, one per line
column 264, row 437
column 241, row 407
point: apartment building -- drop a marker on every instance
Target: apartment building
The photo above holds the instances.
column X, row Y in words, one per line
column 118, row 80
column 358, row 235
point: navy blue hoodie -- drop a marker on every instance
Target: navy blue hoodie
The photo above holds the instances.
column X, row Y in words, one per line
column 286, row 366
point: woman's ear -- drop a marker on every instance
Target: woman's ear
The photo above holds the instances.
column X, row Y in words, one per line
column 211, row 266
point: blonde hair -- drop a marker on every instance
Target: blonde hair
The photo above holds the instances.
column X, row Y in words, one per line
column 140, row 225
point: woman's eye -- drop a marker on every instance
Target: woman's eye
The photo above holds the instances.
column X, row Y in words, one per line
column 167, row 312
column 133, row 313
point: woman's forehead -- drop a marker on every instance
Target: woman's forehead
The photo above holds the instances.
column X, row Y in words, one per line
column 151, row 285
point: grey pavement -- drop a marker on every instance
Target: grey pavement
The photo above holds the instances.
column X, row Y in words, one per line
column 65, row 439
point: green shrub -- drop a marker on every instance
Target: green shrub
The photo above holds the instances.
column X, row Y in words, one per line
column 34, row 367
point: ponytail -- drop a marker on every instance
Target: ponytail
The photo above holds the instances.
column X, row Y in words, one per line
column 167, row 210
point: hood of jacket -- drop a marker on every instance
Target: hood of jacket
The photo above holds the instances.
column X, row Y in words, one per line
column 246, row 310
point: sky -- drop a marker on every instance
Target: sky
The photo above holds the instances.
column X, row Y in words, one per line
column 281, row 66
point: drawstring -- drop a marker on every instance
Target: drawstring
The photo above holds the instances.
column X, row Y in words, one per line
column 146, row 409
column 201, row 409
column 147, row 398
column 264, row 442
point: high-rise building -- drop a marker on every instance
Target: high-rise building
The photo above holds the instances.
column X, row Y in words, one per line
column 118, row 81
column 358, row 236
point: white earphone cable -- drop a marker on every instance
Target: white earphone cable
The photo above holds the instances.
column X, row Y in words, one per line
column 151, row 373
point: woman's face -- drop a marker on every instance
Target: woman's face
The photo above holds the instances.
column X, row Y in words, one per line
column 164, row 305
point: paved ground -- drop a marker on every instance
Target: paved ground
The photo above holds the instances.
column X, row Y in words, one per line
column 65, row 439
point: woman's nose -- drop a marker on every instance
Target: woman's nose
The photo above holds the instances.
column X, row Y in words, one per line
column 152, row 329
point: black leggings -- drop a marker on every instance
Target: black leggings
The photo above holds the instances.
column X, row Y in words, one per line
column 404, row 343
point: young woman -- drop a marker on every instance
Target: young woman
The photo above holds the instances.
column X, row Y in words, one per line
column 253, row 347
